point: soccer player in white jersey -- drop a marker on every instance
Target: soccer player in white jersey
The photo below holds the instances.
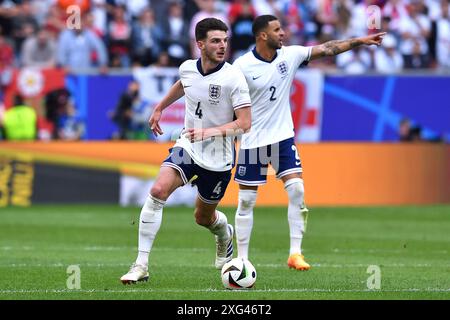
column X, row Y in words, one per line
column 269, row 70
column 216, row 92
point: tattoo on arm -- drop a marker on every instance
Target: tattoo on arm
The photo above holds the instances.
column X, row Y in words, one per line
column 335, row 47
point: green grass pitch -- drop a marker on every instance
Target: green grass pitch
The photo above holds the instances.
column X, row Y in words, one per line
column 410, row 245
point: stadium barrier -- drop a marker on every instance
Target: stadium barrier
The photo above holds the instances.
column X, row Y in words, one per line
column 325, row 106
column 335, row 174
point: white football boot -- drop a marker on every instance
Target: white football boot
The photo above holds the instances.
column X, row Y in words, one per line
column 224, row 249
column 137, row 273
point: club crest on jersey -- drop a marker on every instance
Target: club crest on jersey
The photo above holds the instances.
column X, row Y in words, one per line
column 282, row 68
column 214, row 91
column 242, row 171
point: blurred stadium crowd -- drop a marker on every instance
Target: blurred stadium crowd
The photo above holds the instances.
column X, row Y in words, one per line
column 124, row 33
column 121, row 34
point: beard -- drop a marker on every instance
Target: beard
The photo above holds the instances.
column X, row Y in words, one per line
column 211, row 56
column 273, row 44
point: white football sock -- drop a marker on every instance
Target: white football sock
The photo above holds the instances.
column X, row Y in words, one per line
column 295, row 190
column 220, row 226
column 149, row 223
column 244, row 221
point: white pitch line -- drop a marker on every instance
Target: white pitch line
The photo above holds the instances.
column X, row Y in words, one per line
column 131, row 248
column 210, row 290
column 316, row 265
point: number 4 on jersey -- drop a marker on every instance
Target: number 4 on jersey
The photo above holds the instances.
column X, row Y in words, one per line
column 198, row 111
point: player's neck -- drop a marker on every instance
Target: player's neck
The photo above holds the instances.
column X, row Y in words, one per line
column 265, row 52
column 208, row 65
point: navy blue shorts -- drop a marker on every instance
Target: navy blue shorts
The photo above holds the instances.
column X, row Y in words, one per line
column 211, row 185
column 252, row 165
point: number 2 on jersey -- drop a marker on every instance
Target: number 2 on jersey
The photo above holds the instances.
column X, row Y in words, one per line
column 273, row 90
column 198, row 111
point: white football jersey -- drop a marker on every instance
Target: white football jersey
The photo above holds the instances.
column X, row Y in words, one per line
column 270, row 85
column 211, row 100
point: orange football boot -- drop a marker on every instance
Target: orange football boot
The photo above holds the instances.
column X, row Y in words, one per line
column 297, row 261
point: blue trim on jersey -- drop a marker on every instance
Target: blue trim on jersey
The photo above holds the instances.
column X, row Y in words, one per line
column 199, row 68
column 257, row 56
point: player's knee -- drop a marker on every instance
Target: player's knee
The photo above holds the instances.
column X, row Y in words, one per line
column 295, row 190
column 247, row 200
column 159, row 192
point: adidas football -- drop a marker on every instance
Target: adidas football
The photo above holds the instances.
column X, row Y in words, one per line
column 238, row 274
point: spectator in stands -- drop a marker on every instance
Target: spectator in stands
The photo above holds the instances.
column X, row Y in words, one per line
column 397, row 11
column 133, row 8
column 344, row 28
column 163, row 60
column 123, row 114
column 99, row 16
column 361, row 16
column 241, row 16
column 388, row 59
column 189, row 10
column 19, row 122
column 75, row 47
column 326, row 15
column 443, row 36
column 55, row 21
column 273, row 7
column 146, row 39
column 39, row 51
column 24, row 24
column 208, row 9
column 356, row 61
column 40, row 9
column 417, row 59
column 89, row 22
column 415, row 30
column 6, row 60
column 175, row 30
column 119, row 34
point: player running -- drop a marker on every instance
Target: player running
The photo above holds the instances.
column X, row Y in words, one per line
column 215, row 92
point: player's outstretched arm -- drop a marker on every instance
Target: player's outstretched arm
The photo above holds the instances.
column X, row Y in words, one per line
column 241, row 125
column 335, row 47
column 175, row 93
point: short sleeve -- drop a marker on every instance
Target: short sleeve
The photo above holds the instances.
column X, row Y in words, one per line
column 240, row 95
column 301, row 55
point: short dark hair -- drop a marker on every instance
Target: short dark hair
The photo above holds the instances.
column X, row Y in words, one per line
column 261, row 22
column 208, row 24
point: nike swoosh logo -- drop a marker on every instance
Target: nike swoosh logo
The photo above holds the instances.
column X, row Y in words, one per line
column 186, row 86
column 146, row 221
column 254, row 78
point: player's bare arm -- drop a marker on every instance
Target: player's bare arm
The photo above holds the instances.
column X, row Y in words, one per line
column 175, row 93
column 241, row 125
column 335, row 47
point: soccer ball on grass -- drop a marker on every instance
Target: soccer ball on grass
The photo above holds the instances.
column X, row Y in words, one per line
column 238, row 274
